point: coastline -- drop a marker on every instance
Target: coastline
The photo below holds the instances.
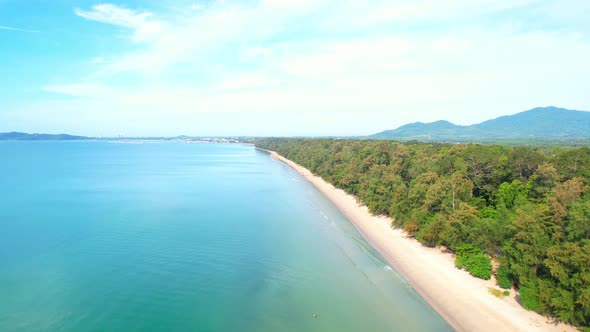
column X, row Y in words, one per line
column 461, row 299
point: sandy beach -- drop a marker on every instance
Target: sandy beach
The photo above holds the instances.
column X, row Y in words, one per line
column 464, row 301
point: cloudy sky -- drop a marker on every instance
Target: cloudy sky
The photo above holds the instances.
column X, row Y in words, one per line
column 285, row 67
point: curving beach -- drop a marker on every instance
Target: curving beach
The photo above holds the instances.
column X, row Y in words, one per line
column 464, row 301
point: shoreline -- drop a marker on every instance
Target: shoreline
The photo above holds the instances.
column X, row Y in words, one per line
column 461, row 299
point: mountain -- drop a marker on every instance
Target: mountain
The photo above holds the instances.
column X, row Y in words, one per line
column 16, row 136
column 421, row 130
column 541, row 123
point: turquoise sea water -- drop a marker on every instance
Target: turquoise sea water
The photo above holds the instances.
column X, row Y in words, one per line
column 97, row 236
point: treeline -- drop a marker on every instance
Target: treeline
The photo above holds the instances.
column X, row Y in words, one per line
column 528, row 209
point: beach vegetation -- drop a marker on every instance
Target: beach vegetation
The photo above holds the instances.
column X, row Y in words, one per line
column 411, row 229
column 529, row 296
column 471, row 258
column 496, row 292
column 503, row 278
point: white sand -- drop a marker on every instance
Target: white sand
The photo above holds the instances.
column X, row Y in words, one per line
column 464, row 301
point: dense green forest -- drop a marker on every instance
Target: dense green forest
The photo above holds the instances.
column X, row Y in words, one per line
column 526, row 208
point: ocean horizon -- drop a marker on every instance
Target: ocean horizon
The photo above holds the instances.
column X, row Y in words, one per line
column 171, row 236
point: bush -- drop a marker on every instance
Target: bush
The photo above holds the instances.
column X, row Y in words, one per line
column 411, row 228
column 429, row 235
column 480, row 266
column 496, row 292
column 474, row 261
column 503, row 278
column 529, row 296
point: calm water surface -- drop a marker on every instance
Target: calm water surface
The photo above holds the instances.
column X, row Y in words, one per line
column 97, row 236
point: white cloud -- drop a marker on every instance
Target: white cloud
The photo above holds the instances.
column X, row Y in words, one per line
column 254, row 52
column 111, row 14
column 3, row 27
column 246, row 81
column 141, row 22
column 197, row 6
column 93, row 90
column 293, row 5
column 331, row 60
column 340, row 59
column 420, row 10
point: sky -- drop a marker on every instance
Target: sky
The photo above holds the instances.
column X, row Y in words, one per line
column 285, row 67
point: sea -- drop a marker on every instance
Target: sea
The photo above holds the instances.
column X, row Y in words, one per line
column 172, row 236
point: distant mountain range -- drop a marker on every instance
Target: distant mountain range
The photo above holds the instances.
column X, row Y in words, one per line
column 536, row 125
column 542, row 123
column 16, row 136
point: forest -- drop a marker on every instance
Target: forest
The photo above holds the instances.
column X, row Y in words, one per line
column 526, row 209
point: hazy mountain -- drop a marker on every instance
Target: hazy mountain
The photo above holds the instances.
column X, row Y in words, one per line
column 16, row 136
column 538, row 123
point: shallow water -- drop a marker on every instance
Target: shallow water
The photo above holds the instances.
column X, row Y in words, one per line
column 163, row 236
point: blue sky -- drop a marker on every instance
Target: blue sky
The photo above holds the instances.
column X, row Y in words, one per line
column 285, row 67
